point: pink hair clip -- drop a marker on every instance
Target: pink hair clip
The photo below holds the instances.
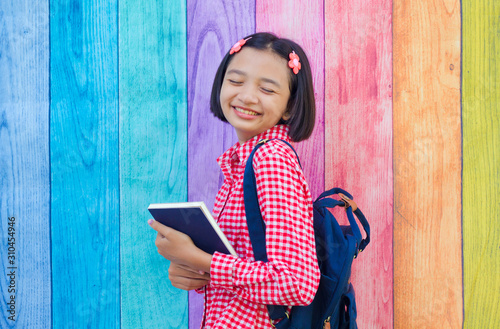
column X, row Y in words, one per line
column 237, row 46
column 294, row 62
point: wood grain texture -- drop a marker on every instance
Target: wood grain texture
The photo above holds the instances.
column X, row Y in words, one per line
column 24, row 164
column 84, row 164
column 481, row 163
column 358, row 134
column 213, row 27
column 287, row 20
column 153, row 160
column 427, row 165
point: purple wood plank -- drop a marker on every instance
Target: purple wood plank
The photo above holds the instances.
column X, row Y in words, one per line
column 283, row 19
column 358, row 76
column 213, row 27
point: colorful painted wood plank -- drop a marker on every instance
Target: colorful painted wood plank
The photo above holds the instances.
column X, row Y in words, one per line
column 286, row 19
column 84, row 164
column 25, row 286
column 153, row 161
column 213, row 27
column 481, row 163
column 427, row 165
column 358, row 134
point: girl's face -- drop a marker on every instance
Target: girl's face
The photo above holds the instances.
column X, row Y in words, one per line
column 255, row 91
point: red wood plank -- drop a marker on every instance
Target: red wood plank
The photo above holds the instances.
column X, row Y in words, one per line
column 213, row 27
column 358, row 138
column 286, row 19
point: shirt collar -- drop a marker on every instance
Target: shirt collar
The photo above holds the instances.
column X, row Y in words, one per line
column 241, row 152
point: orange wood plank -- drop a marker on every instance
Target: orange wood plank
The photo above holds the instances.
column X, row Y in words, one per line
column 427, row 165
column 358, row 121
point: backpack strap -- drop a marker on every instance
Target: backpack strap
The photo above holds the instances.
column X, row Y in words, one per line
column 362, row 243
column 255, row 222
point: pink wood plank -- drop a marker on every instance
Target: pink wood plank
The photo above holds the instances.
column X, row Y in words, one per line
column 294, row 20
column 358, row 138
column 213, row 27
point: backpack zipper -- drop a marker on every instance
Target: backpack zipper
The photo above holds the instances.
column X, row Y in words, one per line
column 326, row 323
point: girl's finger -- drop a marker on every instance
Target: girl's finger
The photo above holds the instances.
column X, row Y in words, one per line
column 188, row 284
column 159, row 227
column 165, row 231
column 191, row 273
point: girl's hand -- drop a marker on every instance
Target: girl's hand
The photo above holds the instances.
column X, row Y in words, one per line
column 179, row 248
column 186, row 278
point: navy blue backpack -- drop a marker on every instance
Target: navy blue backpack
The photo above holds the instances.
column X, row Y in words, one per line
column 334, row 305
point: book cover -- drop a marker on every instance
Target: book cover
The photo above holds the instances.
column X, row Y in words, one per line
column 195, row 220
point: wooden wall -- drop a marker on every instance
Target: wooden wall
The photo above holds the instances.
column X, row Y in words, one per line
column 104, row 109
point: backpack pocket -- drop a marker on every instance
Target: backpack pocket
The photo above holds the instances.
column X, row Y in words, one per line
column 348, row 314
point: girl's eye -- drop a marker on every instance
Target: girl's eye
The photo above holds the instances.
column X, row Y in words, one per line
column 235, row 82
column 267, row 91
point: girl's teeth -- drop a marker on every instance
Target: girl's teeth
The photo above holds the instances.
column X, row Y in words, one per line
column 245, row 111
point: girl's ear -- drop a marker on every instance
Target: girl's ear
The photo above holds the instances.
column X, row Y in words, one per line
column 286, row 116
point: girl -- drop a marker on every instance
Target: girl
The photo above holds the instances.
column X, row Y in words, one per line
column 263, row 88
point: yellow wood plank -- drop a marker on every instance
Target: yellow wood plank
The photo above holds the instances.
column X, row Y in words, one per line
column 481, row 163
column 427, row 164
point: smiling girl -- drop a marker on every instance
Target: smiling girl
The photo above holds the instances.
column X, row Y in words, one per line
column 263, row 88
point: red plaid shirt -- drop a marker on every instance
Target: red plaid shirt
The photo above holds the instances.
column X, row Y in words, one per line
column 240, row 287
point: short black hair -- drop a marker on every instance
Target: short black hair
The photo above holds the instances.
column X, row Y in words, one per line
column 301, row 105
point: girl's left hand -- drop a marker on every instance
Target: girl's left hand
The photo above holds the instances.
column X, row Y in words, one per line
column 185, row 278
column 179, row 248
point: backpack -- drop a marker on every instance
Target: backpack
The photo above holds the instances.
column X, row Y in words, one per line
column 334, row 305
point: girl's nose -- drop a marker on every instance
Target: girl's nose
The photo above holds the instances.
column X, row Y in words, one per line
column 247, row 96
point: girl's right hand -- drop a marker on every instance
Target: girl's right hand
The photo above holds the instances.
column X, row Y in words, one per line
column 186, row 278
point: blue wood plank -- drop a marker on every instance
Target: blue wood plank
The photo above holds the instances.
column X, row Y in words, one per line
column 213, row 27
column 153, row 154
column 84, row 164
column 24, row 165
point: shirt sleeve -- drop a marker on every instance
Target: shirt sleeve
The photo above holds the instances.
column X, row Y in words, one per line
column 291, row 275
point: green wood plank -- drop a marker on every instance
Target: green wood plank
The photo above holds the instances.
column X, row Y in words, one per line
column 24, row 165
column 84, row 164
column 153, row 154
column 481, row 163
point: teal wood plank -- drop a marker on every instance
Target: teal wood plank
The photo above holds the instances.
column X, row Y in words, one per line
column 153, row 154
column 24, row 165
column 84, row 164
column 213, row 27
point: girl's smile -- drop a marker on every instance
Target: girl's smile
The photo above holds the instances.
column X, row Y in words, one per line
column 245, row 111
column 255, row 92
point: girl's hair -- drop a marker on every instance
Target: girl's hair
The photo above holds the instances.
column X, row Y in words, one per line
column 301, row 106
